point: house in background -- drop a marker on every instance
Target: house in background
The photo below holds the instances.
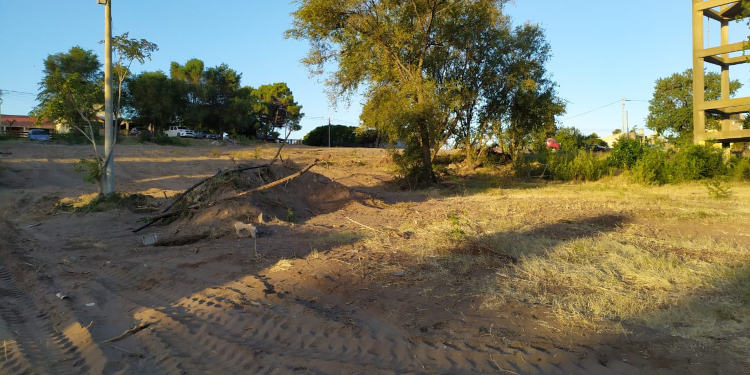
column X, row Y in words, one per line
column 19, row 125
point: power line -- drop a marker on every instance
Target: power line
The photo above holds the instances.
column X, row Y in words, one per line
column 3, row 91
column 602, row 107
column 593, row 110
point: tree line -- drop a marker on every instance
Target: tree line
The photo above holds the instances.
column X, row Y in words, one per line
column 204, row 98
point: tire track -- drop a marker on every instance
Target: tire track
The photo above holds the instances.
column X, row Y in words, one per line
column 39, row 348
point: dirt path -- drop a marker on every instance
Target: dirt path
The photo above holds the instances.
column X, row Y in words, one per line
column 305, row 306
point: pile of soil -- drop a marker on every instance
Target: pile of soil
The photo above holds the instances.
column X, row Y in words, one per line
column 295, row 201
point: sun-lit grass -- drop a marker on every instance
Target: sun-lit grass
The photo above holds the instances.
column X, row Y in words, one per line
column 608, row 256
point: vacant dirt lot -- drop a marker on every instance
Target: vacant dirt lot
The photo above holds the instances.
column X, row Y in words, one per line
column 352, row 275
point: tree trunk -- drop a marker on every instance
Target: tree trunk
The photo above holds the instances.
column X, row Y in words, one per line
column 424, row 134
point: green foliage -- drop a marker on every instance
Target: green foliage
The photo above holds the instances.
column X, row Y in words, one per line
column 71, row 90
column 75, row 138
column 432, row 69
column 163, row 140
column 718, row 188
column 585, row 166
column 341, row 136
column 740, row 169
column 652, row 168
column 697, row 162
column 277, row 109
column 154, row 99
column 626, row 153
column 90, row 169
column 290, row 217
column 671, row 107
column 456, row 232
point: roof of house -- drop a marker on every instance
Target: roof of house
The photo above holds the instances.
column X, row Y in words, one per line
column 25, row 121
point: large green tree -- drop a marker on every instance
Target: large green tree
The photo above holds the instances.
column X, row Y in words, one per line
column 671, row 107
column 430, row 69
column 276, row 109
column 154, row 99
column 71, row 93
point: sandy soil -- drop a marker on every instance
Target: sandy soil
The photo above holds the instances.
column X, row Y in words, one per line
column 312, row 301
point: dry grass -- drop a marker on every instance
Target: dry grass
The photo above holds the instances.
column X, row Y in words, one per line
column 608, row 256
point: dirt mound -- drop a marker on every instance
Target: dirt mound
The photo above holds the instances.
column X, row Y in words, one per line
column 295, row 201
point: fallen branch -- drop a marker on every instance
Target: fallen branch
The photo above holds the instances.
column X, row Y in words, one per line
column 129, row 332
column 360, row 224
column 203, row 181
column 275, row 183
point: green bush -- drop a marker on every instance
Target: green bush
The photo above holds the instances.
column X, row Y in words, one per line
column 162, row 139
column 696, row 162
column 626, row 153
column 90, row 170
column 75, row 137
column 740, row 169
column 652, row 168
column 584, row 166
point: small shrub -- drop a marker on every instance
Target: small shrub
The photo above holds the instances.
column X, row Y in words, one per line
column 6, row 137
column 90, row 170
column 584, row 166
column 718, row 188
column 652, row 168
column 626, row 153
column 290, row 217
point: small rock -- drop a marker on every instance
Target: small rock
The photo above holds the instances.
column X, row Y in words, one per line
column 398, row 274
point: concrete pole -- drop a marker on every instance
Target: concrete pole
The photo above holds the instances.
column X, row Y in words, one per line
column 329, row 132
column 109, row 130
column 623, row 115
column 726, row 122
column 699, row 78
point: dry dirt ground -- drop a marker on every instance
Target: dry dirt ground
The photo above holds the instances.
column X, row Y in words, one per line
column 366, row 278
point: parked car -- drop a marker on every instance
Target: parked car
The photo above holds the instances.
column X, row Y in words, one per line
column 137, row 131
column 212, row 136
column 39, row 135
column 200, row 134
column 179, row 131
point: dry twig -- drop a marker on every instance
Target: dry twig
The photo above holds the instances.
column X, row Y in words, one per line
column 129, row 332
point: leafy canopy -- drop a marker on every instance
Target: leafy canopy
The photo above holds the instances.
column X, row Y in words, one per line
column 671, row 107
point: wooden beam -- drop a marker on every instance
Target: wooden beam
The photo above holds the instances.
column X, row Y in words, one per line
column 701, row 5
column 729, row 48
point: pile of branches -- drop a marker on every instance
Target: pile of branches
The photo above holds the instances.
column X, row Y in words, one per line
column 173, row 209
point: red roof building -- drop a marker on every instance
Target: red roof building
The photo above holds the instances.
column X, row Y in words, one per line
column 17, row 124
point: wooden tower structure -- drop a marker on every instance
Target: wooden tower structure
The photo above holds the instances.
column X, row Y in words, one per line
column 725, row 56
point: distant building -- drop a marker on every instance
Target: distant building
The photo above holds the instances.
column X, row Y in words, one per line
column 18, row 125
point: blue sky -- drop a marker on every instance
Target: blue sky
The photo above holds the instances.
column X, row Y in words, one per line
column 602, row 50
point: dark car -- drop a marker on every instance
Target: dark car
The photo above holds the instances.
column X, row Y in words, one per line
column 200, row 134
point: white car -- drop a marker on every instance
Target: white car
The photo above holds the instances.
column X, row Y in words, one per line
column 179, row 131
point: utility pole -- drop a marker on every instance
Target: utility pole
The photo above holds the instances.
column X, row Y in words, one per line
column 109, row 130
column 1, row 111
column 627, row 124
column 329, row 131
column 623, row 114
